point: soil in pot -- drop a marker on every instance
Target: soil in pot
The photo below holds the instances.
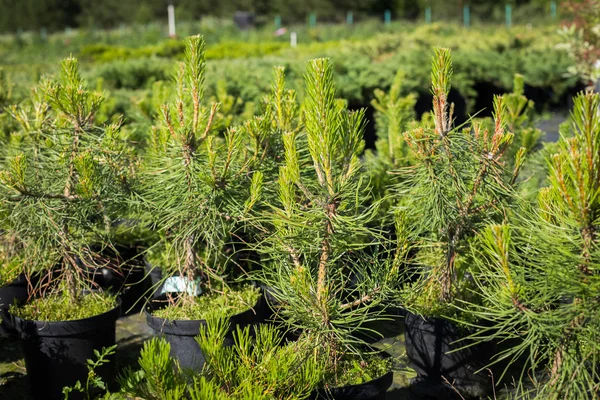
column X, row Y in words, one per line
column 436, row 351
column 181, row 324
column 16, row 292
column 56, row 352
column 366, row 379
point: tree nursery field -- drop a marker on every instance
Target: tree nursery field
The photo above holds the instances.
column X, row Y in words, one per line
column 368, row 212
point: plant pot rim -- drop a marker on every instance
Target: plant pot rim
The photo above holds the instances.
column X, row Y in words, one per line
column 30, row 327
column 191, row 327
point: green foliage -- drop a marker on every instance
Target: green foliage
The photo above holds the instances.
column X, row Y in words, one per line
column 520, row 121
column 133, row 74
column 457, row 183
column 94, row 381
column 157, row 378
column 10, row 265
column 229, row 303
column 355, row 370
column 260, row 366
column 321, row 256
column 198, row 182
column 6, row 97
column 538, row 277
column 62, row 180
column 581, row 40
column 393, row 113
column 61, row 307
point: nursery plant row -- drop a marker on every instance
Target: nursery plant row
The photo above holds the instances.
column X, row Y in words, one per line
column 485, row 61
column 277, row 246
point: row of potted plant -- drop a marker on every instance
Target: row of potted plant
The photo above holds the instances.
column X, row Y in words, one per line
column 277, row 237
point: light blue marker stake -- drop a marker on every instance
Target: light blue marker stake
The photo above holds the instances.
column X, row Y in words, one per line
column 428, row 15
column 312, row 21
column 387, row 17
column 553, row 9
column 349, row 18
column 466, row 16
column 508, row 14
column 277, row 22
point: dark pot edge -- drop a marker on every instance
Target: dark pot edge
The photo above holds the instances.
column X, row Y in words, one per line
column 60, row 328
column 190, row 327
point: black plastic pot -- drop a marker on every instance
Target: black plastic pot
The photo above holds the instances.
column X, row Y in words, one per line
column 14, row 292
column 432, row 346
column 181, row 334
column 56, row 353
column 373, row 390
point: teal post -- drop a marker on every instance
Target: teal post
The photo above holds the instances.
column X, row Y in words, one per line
column 43, row 34
column 312, row 20
column 387, row 17
column 553, row 9
column 466, row 16
column 508, row 15
column 277, row 22
column 428, row 15
column 349, row 18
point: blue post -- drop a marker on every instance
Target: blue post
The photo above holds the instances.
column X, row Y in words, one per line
column 553, row 9
column 508, row 14
column 349, row 18
column 312, row 20
column 387, row 17
column 428, row 15
column 277, row 22
column 466, row 16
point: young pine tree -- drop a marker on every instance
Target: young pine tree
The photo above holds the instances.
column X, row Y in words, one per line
column 198, row 183
column 318, row 247
column 62, row 182
column 459, row 181
column 539, row 278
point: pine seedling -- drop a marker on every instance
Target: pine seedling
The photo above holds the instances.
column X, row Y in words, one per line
column 540, row 287
column 157, row 378
column 266, row 131
column 62, row 181
column 261, row 363
column 457, row 183
column 519, row 120
column 322, row 278
column 393, row 113
column 199, row 182
column 258, row 365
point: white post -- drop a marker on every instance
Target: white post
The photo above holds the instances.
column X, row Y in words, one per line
column 171, row 11
column 293, row 39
